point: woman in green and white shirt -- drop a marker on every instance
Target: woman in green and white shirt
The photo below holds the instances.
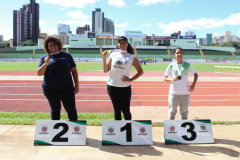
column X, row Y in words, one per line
column 179, row 92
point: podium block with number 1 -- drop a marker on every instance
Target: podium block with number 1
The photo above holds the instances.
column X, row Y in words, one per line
column 127, row 132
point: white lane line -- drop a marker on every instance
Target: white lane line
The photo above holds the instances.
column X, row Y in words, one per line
column 105, row 87
column 222, row 100
column 167, row 84
column 18, row 86
column 105, row 95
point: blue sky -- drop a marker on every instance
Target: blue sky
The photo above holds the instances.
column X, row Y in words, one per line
column 159, row 17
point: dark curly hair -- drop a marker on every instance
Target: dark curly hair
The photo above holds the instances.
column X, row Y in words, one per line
column 53, row 39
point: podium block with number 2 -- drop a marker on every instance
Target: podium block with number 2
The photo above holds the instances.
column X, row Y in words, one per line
column 188, row 131
column 59, row 132
column 127, row 132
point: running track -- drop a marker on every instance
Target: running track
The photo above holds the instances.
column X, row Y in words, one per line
column 26, row 96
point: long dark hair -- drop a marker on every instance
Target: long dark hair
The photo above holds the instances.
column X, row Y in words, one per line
column 129, row 48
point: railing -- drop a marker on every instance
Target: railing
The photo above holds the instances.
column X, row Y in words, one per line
column 226, row 69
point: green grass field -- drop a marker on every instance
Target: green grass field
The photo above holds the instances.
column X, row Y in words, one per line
column 154, row 67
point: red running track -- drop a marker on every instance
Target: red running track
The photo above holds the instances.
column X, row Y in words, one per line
column 18, row 96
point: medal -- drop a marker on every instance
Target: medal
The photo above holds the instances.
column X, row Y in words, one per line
column 51, row 55
column 115, row 50
column 179, row 71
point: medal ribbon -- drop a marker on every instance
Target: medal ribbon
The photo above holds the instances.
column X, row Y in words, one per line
column 179, row 70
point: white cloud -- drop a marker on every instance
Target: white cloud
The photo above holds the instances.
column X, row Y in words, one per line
column 215, row 34
column 233, row 19
column 41, row 23
column 76, row 22
column 148, row 2
column 119, row 3
column 49, row 30
column 70, row 3
column 121, row 25
column 146, row 25
column 79, row 19
column 77, row 15
column 7, row 32
column 199, row 24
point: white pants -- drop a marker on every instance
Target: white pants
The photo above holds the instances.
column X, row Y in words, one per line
column 183, row 101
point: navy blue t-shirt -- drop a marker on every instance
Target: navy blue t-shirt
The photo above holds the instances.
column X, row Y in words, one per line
column 58, row 75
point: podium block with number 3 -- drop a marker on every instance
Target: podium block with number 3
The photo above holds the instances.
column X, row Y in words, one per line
column 59, row 132
column 127, row 133
column 188, row 131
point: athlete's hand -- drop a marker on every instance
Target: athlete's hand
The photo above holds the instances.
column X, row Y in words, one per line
column 175, row 79
column 104, row 54
column 76, row 89
column 126, row 79
column 191, row 88
column 47, row 60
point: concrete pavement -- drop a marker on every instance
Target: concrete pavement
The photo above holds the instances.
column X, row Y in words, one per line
column 16, row 142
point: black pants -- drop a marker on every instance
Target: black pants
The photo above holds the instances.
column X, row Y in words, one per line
column 67, row 96
column 120, row 97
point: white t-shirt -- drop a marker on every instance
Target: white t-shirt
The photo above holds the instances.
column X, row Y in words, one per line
column 121, row 66
column 179, row 87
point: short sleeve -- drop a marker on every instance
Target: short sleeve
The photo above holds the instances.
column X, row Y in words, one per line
column 41, row 61
column 72, row 63
column 191, row 70
column 167, row 72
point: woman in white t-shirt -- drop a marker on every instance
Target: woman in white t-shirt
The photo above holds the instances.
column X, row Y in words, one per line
column 119, row 65
column 177, row 74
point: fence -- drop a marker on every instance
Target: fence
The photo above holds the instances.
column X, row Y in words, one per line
column 226, row 69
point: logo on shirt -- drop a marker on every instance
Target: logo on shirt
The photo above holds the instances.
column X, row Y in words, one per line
column 119, row 62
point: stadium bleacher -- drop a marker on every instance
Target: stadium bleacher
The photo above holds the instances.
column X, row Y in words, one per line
column 142, row 53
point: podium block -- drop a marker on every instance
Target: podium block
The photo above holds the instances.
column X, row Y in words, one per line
column 127, row 132
column 188, row 131
column 59, row 132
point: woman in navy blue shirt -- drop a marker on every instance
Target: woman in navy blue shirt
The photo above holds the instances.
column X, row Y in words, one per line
column 58, row 69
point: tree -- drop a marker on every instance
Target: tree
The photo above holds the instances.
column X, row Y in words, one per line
column 29, row 42
column 227, row 44
column 4, row 44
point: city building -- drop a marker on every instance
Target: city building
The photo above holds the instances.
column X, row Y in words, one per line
column 135, row 38
column 183, row 41
column 10, row 41
column 158, row 40
column 97, row 21
column 78, row 40
column 107, row 39
column 108, row 26
column 25, row 23
column 202, row 42
column 100, row 24
column 189, row 33
column 1, row 38
column 63, row 29
column 42, row 35
column 63, row 32
column 64, row 38
column 209, row 38
column 205, row 41
column 83, row 30
column 228, row 37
